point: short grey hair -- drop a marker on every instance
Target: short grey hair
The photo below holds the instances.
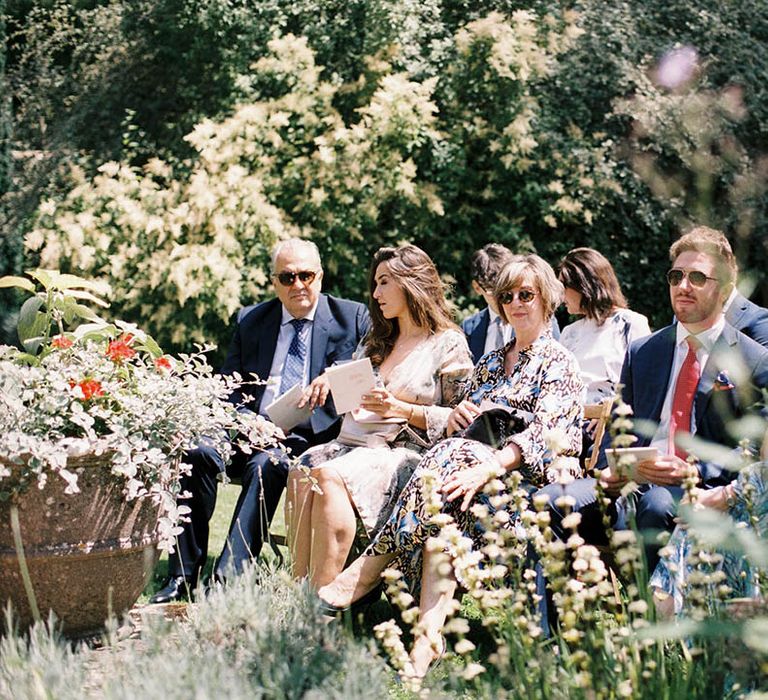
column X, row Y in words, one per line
column 295, row 244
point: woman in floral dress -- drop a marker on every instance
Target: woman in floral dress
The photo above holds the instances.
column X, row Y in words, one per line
column 746, row 501
column 533, row 374
column 349, row 486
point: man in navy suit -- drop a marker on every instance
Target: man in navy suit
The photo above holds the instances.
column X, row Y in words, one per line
column 288, row 340
column 747, row 317
column 693, row 377
column 485, row 330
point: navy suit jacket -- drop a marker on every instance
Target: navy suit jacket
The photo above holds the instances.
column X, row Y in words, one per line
column 749, row 318
column 338, row 327
column 729, row 387
column 476, row 328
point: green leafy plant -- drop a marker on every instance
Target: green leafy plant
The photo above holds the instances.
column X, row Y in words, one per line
column 85, row 385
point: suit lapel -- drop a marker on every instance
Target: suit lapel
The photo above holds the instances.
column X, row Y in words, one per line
column 663, row 356
column 714, row 364
column 320, row 331
column 268, row 339
column 477, row 339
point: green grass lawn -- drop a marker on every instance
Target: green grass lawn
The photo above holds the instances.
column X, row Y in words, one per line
column 225, row 506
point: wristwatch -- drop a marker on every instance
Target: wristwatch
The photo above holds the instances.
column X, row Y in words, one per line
column 730, row 495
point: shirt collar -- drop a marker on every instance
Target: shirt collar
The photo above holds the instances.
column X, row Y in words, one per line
column 730, row 299
column 287, row 318
column 707, row 338
column 492, row 316
column 532, row 349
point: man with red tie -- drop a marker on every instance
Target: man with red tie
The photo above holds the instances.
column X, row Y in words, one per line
column 693, row 377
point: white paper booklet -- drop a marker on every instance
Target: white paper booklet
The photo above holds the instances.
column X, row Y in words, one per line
column 349, row 382
column 284, row 411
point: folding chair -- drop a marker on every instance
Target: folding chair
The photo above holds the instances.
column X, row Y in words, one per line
column 601, row 412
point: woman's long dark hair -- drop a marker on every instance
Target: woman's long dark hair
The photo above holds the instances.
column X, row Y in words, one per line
column 592, row 275
column 415, row 273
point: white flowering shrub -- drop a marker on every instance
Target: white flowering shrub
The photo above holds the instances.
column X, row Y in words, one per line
column 184, row 244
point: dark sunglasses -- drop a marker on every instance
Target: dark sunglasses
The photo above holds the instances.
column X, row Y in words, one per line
column 697, row 279
column 288, row 278
column 526, row 296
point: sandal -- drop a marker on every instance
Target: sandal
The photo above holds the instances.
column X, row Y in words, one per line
column 331, row 610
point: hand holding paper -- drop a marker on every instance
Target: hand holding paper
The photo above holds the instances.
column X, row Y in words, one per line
column 381, row 402
column 349, row 382
column 284, row 411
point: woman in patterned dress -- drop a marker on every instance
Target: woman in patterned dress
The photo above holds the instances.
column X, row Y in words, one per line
column 348, row 487
column 745, row 500
column 534, row 374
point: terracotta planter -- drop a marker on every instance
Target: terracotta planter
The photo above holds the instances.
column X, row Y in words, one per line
column 88, row 554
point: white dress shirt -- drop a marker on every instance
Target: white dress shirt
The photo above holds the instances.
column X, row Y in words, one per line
column 600, row 349
column 707, row 340
column 491, row 335
column 284, row 338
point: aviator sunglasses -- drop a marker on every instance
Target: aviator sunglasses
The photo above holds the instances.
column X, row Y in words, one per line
column 288, row 278
column 526, row 296
column 697, row 279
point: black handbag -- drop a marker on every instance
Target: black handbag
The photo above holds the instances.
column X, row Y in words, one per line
column 494, row 426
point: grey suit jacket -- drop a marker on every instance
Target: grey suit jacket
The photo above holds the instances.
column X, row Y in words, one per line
column 749, row 318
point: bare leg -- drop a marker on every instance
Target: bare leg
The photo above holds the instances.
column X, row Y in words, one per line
column 298, row 510
column 360, row 577
column 333, row 527
column 437, row 591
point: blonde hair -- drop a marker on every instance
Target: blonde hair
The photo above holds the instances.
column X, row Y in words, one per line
column 534, row 268
column 703, row 239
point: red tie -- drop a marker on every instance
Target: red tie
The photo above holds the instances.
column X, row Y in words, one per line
column 685, row 390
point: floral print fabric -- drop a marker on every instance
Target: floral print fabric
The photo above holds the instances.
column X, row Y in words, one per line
column 674, row 570
column 545, row 382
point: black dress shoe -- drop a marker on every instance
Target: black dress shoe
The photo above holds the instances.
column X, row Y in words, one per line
column 175, row 589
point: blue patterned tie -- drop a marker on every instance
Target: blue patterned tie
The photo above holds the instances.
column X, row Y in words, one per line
column 293, row 370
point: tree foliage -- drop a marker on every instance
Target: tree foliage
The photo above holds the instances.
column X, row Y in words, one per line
column 535, row 124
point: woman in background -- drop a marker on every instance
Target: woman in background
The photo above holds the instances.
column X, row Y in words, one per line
column 600, row 339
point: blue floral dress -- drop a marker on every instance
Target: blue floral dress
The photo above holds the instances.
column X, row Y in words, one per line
column 545, row 383
column 674, row 570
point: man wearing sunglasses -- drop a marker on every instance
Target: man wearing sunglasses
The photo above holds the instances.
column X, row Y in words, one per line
column 485, row 330
column 694, row 377
column 286, row 341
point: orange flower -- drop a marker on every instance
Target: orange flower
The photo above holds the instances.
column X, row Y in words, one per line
column 91, row 388
column 61, row 342
column 120, row 349
column 163, row 363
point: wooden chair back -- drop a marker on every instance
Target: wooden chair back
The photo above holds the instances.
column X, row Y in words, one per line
column 601, row 412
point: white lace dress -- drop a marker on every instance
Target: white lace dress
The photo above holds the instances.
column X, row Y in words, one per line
column 432, row 376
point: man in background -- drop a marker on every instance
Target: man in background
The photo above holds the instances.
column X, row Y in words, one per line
column 486, row 330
